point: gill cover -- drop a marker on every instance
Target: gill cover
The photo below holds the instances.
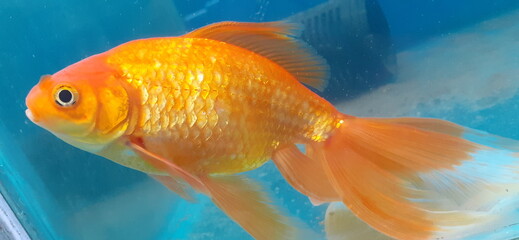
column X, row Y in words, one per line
column 83, row 104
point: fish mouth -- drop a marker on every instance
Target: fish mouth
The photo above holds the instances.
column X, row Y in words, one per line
column 30, row 116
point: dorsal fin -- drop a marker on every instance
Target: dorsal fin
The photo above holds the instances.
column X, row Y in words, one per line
column 273, row 40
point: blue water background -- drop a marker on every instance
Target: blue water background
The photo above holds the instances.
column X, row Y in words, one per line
column 52, row 186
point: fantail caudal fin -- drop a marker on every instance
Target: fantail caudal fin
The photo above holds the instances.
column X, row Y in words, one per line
column 420, row 179
column 446, row 127
column 341, row 224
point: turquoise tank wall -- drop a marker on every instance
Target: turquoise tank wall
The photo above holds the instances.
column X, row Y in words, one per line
column 60, row 192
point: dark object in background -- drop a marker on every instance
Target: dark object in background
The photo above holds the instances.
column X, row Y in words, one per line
column 354, row 37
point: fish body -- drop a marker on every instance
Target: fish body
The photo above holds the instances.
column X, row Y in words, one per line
column 213, row 106
column 194, row 111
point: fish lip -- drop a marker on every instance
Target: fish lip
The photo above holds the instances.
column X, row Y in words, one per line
column 30, row 115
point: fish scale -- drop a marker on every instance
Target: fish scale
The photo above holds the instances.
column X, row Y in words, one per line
column 207, row 107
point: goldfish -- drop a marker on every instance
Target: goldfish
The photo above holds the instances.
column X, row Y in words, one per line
column 195, row 111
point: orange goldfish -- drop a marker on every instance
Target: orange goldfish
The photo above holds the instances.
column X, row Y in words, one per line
column 195, row 110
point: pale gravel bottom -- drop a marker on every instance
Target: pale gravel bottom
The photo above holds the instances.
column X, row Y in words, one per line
column 475, row 69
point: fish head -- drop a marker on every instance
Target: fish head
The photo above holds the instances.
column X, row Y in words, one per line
column 84, row 104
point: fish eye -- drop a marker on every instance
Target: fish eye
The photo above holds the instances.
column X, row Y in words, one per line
column 65, row 96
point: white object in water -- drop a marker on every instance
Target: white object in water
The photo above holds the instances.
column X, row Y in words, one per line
column 10, row 227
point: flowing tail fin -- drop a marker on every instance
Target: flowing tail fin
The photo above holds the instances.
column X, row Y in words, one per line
column 413, row 178
column 341, row 224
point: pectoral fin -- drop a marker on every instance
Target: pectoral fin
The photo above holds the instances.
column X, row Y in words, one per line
column 241, row 199
column 174, row 171
column 122, row 153
column 176, row 185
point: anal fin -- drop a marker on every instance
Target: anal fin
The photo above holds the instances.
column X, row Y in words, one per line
column 305, row 173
